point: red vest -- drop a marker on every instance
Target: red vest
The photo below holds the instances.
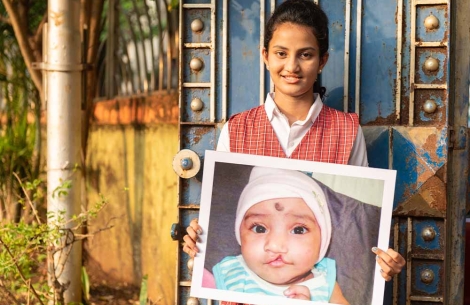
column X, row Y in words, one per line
column 330, row 139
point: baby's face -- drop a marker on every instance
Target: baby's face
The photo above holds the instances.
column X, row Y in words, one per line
column 280, row 240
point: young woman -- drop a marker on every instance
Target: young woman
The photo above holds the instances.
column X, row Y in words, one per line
column 293, row 122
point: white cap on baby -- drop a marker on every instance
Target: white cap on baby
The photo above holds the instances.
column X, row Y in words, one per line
column 271, row 183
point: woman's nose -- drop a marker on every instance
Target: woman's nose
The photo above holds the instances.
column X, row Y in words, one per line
column 291, row 64
column 276, row 243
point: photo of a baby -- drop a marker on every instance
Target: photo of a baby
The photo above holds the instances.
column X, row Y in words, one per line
column 292, row 233
column 283, row 226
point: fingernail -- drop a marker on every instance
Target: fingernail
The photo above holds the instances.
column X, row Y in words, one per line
column 286, row 292
column 381, row 271
column 374, row 249
column 377, row 257
column 199, row 231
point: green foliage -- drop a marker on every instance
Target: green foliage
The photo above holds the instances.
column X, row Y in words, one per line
column 85, row 284
column 143, row 296
column 25, row 247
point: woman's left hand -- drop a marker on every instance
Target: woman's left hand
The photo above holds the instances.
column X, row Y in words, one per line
column 391, row 262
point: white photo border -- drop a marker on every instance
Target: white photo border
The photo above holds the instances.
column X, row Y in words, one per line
column 212, row 157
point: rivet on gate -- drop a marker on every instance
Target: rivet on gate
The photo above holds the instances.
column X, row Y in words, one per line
column 190, row 264
column 431, row 64
column 192, row 301
column 428, row 234
column 196, row 64
column 427, row 276
column 197, row 25
column 431, row 22
column 196, row 104
column 430, row 106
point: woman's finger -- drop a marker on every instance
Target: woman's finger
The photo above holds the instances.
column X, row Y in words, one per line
column 391, row 261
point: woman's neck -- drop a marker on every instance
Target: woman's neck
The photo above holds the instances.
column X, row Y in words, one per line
column 294, row 108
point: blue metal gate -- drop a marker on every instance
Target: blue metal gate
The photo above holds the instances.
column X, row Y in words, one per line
column 402, row 65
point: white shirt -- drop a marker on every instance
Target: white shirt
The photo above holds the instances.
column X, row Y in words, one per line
column 290, row 136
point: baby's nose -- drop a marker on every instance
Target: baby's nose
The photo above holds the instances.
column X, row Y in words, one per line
column 276, row 243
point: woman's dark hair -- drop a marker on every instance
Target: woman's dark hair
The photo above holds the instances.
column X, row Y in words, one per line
column 301, row 12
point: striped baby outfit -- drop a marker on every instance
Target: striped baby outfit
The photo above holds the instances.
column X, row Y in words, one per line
column 233, row 274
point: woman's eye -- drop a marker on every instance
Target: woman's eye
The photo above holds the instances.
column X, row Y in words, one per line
column 299, row 230
column 306, row 55
column 258, row 229
column 281, row 54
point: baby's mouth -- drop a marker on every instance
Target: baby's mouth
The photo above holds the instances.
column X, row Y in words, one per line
column 277, row 261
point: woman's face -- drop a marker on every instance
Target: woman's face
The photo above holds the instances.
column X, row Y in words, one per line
column 293, row 60
column 280, row 240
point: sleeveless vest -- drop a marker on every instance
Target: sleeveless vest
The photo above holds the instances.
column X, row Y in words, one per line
column 330, row 139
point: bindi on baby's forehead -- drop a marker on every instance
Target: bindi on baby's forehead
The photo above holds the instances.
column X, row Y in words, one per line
column 279, row 207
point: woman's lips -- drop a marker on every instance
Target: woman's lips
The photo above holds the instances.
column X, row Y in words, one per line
column 291, row 79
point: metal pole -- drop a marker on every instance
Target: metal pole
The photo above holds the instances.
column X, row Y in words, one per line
column 63, row 71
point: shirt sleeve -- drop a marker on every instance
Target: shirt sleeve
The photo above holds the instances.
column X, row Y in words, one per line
column 358, row 154
column 224, row 139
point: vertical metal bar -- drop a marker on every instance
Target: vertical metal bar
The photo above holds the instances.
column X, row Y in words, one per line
column 412, row 63
column 395, row 245
column 224, row 58
column 262, row 92
column 64, row 131
column 358, row 56
column 399, row 57
column 408, row 260
column 213, row 44
column 346, row 55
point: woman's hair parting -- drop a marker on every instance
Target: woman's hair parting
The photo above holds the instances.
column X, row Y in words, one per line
column 301, row 12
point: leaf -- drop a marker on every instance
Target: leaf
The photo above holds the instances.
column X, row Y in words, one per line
column 143, row 291
column 85, row 284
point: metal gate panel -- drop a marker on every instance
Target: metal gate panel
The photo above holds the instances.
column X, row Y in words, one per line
column 396, row 63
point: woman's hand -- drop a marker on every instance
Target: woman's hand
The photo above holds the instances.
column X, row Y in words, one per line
column 190, row 239
column 299, row 292
column 391, row 262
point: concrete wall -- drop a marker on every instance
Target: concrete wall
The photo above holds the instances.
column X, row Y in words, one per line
column 130, row 151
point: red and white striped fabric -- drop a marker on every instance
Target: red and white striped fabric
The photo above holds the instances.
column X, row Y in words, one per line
column 330, row 139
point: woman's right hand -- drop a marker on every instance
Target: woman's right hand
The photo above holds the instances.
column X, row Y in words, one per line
column 190, row 239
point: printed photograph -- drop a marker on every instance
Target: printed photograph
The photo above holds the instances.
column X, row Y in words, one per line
column 283, row 231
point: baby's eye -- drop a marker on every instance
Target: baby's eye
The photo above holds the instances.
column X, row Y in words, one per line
column 258, row 229
column 299, row 230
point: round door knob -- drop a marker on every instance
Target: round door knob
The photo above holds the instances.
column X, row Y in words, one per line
column 431, row 64
column 431, row 22
column 430, row 106
column 428, row 233
column 427, row 276
column 197, row 25
column 196, row 64
column 186, row 163
column 176, row 232
column 192, row 301
column 196, row 104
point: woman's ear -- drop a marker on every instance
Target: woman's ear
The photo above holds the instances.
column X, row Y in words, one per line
column 323, row 61
column 264, row 53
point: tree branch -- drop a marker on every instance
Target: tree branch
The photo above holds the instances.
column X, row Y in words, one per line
column 21, row 35
column 21, row 273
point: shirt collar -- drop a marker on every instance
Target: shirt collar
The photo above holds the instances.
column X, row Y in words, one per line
column 272, row 110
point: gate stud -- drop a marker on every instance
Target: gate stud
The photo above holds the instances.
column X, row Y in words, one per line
column 431, row 64
column 196, row 64
column 427, row 276
column 431, row 22
column 192, row 301
column 197, row 25
column 196, row 104
column 429, row 106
